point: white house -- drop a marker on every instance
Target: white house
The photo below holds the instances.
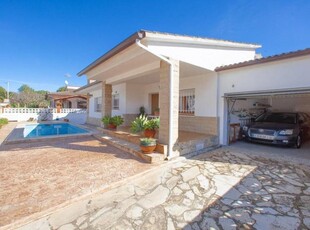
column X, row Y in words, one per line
column 180, row 75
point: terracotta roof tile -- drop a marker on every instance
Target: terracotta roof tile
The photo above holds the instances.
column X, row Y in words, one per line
column 276, row 57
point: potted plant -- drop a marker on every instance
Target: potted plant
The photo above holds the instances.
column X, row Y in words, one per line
column 150, row 127
column 138, row 124
column 147, row 145
column 112, row 122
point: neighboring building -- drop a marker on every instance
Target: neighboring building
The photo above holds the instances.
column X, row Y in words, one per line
column 180, row 75
column 68, row 99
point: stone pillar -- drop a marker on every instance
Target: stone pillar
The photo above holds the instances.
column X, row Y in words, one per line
column 106, row 109
column 164, row 104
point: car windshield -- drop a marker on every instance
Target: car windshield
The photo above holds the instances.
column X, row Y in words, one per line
column 286, row 118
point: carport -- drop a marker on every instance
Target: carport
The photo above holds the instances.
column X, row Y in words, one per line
column 243, row 107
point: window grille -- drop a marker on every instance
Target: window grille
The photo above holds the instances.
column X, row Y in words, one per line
column 115, row 101
column 98, row 103
column 187, row 101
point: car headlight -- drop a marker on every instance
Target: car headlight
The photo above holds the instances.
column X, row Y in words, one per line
column 286, row 132
column 245, row 128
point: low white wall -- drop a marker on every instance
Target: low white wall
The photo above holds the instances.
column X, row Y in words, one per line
column 284, row 74
column 78, row 117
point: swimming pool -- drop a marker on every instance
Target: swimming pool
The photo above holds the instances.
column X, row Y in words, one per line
column 42, row 130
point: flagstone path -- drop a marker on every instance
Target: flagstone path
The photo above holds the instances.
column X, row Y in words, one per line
column 220, row 190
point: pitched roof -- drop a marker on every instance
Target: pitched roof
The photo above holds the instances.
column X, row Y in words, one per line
column 276, row 57
column 145, row 33
column 199, row 38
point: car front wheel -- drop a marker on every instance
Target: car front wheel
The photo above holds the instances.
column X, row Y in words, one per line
column 298, row 142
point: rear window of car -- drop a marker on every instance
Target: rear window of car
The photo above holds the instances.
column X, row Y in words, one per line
column 285, row 118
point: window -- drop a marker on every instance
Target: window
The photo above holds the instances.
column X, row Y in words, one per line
column 98, row 103
column 187, row 101
column 115, row 101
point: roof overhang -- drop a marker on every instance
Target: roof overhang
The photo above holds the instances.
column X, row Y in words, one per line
column 117, row 49
column 164, row 37
column 130, row 63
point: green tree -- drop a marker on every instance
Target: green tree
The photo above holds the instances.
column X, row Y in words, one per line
column 3, row 94
column 25, row 88
column 62, row 89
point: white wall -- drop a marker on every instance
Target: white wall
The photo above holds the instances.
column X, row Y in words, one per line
column 285, row 74
column 205, row 89
column 206, row 57
column 121, row 90
column 205, row 93
column 134, row 98
column 92, row 112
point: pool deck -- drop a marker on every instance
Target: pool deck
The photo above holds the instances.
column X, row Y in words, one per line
column 16, row 136
column 38, row 177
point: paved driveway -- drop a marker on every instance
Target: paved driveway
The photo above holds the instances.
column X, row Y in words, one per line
column 38, row 176
column 224, row 189
column 298, row 156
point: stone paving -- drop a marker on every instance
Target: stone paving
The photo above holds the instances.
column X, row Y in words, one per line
column 37, row 176
column 223, row 189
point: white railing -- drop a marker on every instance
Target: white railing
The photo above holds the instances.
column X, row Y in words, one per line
column 21, row 110
column 38, row 110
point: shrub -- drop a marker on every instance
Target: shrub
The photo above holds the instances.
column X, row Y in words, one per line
column 106, row 120
column 152, row 124
column 138, row 124
column 3, row 121
column 115, row 120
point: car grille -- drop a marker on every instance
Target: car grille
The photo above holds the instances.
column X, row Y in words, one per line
column 261, row 131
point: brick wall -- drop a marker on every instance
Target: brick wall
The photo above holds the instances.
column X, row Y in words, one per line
column 106, row 99
column 205, row 125
column 128, row 118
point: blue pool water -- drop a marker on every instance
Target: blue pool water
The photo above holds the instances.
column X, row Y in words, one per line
column 41, row 130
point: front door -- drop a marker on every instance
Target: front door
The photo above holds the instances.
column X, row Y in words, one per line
column 154, row 102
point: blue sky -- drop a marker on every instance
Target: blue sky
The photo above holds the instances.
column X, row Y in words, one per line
column 42, row 41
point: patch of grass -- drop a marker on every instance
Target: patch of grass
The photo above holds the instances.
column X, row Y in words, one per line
column 3, row 121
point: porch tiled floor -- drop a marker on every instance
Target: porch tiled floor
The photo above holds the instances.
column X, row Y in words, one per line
column 37, row 176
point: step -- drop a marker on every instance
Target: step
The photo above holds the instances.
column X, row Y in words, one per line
column 132, row 138
column 153, row 158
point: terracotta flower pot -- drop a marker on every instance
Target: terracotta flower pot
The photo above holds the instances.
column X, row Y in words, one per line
column 111, row 126
column 150, row 133
column 148, row 149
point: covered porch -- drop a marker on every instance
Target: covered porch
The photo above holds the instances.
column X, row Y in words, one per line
column 138, row 77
